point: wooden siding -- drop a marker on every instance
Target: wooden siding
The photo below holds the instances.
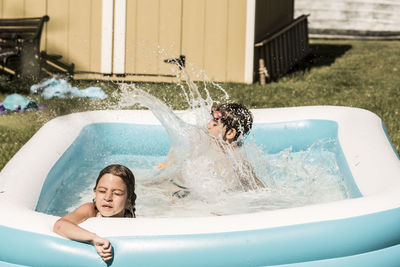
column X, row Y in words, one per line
column 170, row 33
column 236, row 43
column 74, row 31
column 211, row 34
column 213, row 38
column 153, row 35
column 193, row 34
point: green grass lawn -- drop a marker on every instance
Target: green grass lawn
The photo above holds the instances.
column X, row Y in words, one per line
column 364, row 74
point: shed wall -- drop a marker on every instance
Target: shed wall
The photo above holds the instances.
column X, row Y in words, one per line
column 74, row 31
column 211, row 34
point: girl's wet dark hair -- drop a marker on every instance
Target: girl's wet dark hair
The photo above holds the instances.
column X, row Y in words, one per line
column 129, row 179
column 236, row 116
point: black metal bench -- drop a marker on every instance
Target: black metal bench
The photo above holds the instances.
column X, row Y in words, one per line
column 20, row 46
column 281, row 50
column 20, row 54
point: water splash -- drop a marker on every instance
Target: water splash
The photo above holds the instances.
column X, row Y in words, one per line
column 205, row 165
column 204, row 176
column 212, row 171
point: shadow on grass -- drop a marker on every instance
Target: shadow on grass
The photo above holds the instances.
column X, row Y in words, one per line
column 320, row 55
column 10, row 86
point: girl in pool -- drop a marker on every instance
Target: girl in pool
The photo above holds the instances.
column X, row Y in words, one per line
column 114, row 196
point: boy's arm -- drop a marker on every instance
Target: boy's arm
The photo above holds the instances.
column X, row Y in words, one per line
column 168, row 162
column 251, row 175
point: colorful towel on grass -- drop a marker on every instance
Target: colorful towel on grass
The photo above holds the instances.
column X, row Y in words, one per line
column 17, row 102
column 62, row 89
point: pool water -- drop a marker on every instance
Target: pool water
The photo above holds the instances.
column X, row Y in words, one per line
column 300, row 162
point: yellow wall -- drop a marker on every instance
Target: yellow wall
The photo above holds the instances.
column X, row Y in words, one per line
column 210, row 33
column 236, row 41
column 213, row 38
column 74, row 31
column 153, row 32
column 22, row 8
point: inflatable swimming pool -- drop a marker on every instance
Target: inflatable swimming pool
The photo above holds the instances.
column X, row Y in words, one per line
column 359, row 231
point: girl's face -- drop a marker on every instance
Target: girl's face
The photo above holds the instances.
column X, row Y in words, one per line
column 215, row 128
column 111, row 196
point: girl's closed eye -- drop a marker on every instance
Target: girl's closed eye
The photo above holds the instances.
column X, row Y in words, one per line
column 118, row 193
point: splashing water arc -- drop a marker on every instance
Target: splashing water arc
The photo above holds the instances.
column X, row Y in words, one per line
column 214, row 173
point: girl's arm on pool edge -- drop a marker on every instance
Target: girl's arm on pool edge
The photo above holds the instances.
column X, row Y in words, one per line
column 68, row 227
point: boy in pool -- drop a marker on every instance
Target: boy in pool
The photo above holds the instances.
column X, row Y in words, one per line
column 114, row 196
column 229, row 124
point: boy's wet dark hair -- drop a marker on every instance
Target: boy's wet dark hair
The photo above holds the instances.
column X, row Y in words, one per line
column 235, row 116
column 129, row 179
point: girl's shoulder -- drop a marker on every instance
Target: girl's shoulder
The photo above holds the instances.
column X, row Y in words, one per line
column 88, row 208
column 82, row 213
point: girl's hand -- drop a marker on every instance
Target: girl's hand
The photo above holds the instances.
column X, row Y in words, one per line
column 103, row 248
column 68, row 227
